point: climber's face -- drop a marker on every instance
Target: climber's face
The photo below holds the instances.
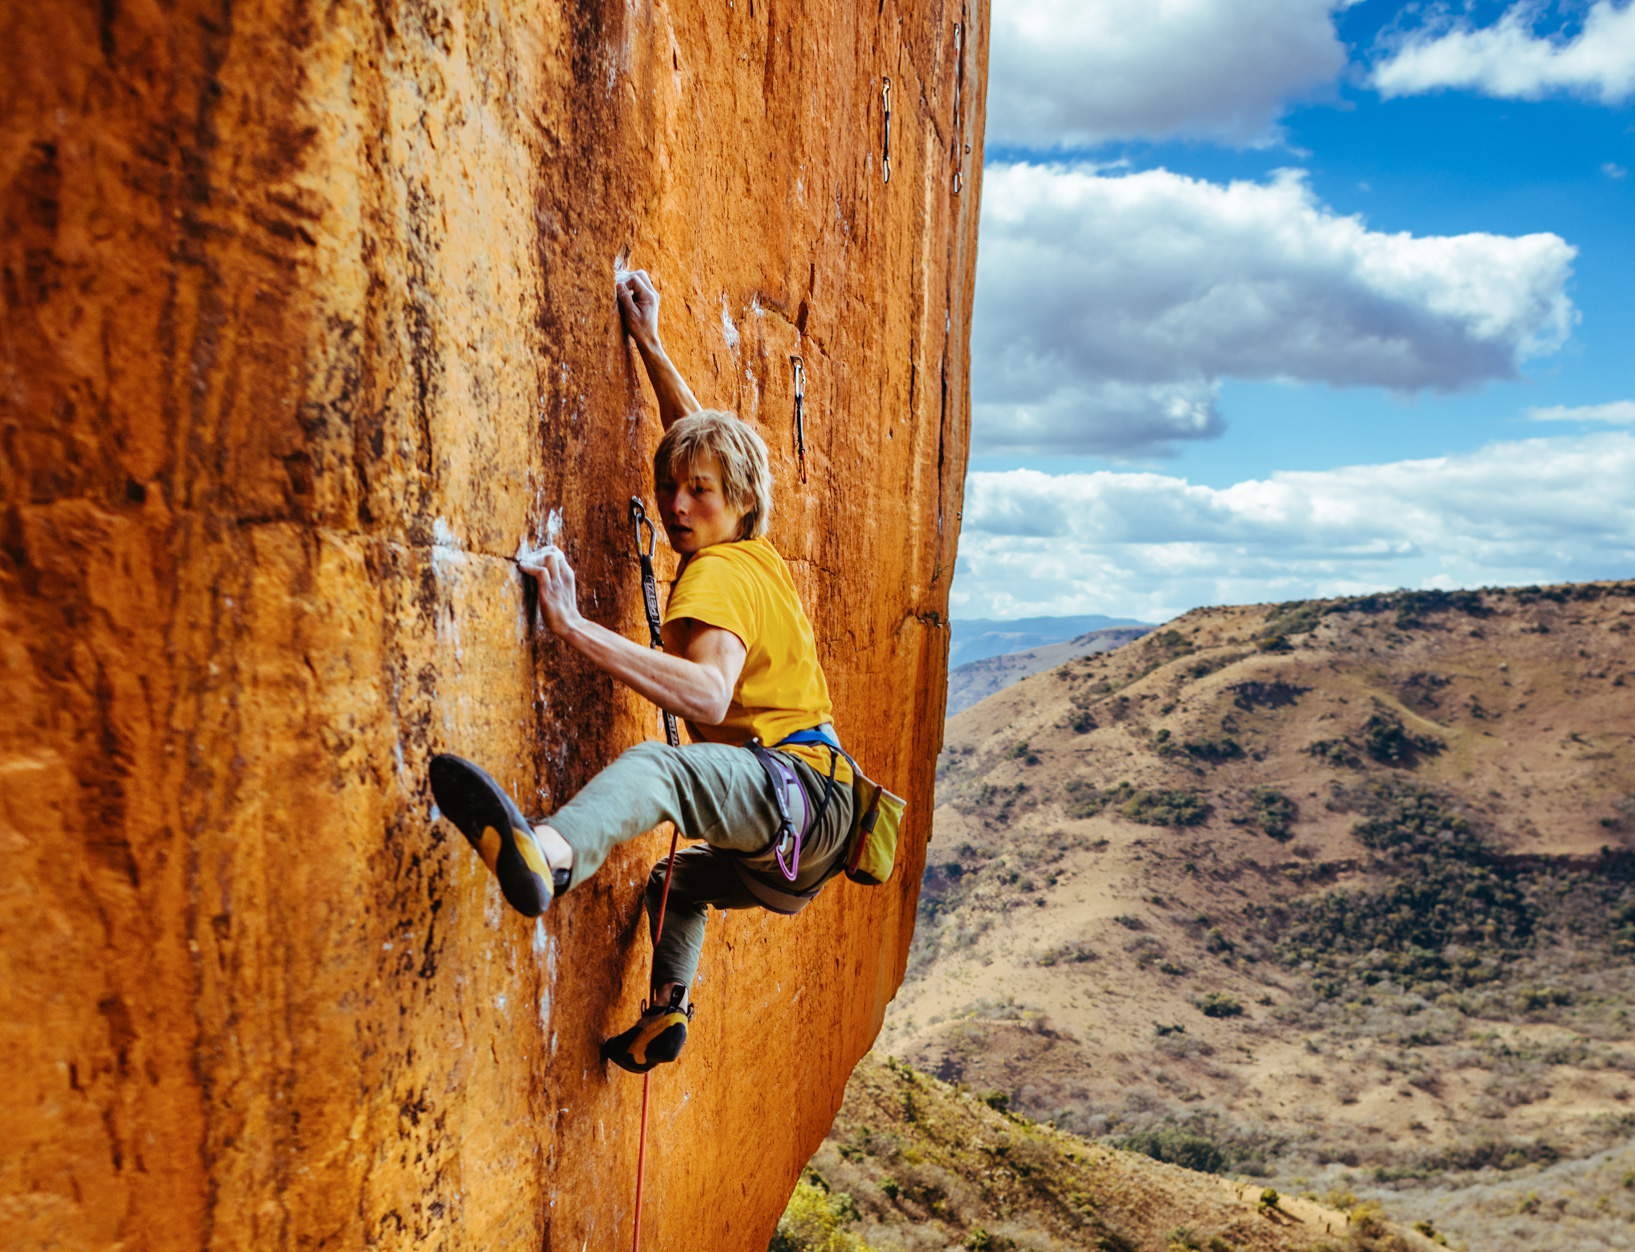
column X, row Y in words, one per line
column 695, row 510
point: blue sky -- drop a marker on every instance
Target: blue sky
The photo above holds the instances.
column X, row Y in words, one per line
column 1289, row 287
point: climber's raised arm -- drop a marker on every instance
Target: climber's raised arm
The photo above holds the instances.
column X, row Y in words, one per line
column 639, row 307
column 694, row 680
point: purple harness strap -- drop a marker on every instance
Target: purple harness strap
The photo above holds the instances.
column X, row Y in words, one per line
column 789, row 796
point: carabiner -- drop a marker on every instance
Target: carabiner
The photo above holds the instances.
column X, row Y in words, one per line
column 639, row 518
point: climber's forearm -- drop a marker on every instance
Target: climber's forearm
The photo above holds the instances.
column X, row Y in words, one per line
column 699, row 693
column 676, row 399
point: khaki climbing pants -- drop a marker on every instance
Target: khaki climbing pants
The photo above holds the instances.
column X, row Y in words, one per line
column 715, row 793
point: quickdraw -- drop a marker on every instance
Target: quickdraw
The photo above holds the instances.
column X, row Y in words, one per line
column 800, row 413
column 650, row 597
column 672, row 733
column 885, row 157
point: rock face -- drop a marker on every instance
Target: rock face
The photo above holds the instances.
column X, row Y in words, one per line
column 307, row 323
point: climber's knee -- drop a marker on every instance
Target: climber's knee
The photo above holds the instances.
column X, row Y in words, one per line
column 655, row 884
column 648, row 750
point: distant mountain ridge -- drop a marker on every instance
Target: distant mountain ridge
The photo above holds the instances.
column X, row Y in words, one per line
column 977, row 680
column 976, row 639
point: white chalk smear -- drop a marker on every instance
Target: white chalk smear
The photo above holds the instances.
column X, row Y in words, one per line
column 529, row 553
column 445, row 543
column 728, row 330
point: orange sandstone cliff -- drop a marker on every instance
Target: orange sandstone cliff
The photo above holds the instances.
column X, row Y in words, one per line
column 306, row 323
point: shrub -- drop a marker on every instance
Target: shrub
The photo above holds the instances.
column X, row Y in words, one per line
column 1084, row 800
column 1067, row 954
column 1021, row 752
column 812, row 1222
column 979, row 1240
column 1335, row 752
column 1386, row 740
column 1214, row 751
column 1165, row 808
column 1258, row 695
column 1177, row 1146
column 1218, row 1004
column 1273, row 812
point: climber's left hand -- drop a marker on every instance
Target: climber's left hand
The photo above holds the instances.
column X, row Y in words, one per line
column 558, row 592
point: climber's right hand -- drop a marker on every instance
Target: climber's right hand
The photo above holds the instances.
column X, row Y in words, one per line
column 639, row 307
column 558, row 593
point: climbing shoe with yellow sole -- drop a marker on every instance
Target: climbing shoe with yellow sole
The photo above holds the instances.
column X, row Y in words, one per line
column 496, row 828
column 656, row 1038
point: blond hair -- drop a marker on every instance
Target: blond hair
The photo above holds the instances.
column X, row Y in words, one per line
column 746, row 470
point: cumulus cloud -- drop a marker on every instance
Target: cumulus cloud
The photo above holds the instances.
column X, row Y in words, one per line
column 1512, row 60
column 1068, row 73
column 1618, row 411
column 1110, row 306
column 1151, row 545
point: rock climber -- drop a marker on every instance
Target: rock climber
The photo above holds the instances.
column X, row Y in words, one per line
column 739, row 665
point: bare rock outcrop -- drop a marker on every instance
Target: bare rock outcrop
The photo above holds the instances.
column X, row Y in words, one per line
column 307, row 322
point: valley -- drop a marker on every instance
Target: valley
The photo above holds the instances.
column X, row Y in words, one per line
column 1338, row 895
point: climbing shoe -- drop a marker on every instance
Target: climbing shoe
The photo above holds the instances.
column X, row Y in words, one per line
column 656, row 1038
column 496, row 828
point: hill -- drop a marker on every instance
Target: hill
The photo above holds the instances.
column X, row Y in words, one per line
column 1337, row 894
column 975, row 681
column 913, row 1164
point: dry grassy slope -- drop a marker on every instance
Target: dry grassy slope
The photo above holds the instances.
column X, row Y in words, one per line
column 1534, row 698
column 958, row 1167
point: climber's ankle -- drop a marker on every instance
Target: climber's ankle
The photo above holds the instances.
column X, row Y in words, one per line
column 558, row 851
column 666, row 995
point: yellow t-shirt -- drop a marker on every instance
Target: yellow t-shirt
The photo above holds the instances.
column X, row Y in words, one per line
column 745, row 587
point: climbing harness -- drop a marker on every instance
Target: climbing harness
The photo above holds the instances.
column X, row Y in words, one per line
column 800, row 413
column 871, row 850
column 959, row 127
column 672, row 733
column 885, row 156
column 786, row 786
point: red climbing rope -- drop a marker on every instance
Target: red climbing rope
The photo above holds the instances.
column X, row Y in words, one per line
column 672, row 735
column 647, row 1078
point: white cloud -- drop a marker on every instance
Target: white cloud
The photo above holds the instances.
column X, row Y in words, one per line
column 1110, row 307
column 1150, row 545
column 1511, row 60
column 1071, row 73
column 1622, row 411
